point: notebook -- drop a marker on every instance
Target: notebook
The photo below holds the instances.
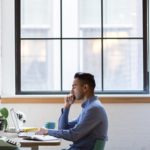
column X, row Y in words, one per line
column 22, row 131
column 41, row 138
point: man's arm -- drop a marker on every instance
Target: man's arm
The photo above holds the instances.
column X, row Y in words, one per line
column 89, row 122
column 63, row 122
column 91, row 119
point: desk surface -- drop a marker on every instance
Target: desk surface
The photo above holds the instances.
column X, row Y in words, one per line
column 29, row 143
column 32, row 143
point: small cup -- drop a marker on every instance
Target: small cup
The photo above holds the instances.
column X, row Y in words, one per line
column 50, row 125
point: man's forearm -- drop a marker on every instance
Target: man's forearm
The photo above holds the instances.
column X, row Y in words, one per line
column 63, row 120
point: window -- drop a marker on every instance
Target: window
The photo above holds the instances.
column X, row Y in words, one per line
column 57, row 38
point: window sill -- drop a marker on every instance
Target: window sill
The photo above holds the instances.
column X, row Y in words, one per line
column 134, row 98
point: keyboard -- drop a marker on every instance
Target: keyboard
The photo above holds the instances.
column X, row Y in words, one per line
column 8, row 142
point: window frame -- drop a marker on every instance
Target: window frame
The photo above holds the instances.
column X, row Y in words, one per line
column 18, row 54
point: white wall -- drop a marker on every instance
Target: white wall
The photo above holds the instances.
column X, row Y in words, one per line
column 8, row 48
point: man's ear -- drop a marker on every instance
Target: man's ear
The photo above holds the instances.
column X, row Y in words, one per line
column 86, row 86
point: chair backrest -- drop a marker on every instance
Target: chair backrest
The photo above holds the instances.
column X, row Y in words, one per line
column 99, row 145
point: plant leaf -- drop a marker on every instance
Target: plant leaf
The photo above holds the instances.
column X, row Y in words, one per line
column 4, row 112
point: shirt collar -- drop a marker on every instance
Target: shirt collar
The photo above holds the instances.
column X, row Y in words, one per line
column 88, row 101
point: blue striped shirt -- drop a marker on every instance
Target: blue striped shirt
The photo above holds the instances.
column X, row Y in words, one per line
column 92, row 124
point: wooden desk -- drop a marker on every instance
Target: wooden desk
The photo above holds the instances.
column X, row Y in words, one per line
column 35, row 144
column 32, row 143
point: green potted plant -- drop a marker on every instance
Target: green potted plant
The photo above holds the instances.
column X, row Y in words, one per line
column 3, row 118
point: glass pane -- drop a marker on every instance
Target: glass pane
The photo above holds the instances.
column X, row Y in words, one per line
column 79, row 16
column 40, row 65
column 40, row 18
column 81, row 55
column 126, row 23
column 123, row 65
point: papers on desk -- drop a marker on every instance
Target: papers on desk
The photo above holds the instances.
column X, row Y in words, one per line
column 40, row 138
column 25, row 134
column 29, row 129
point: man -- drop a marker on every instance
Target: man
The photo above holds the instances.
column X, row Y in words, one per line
column 92, row 123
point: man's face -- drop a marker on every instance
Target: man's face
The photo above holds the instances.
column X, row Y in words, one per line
column 78, row 89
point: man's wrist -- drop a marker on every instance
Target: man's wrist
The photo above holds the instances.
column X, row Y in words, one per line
column 67, row 106
column 46, row 132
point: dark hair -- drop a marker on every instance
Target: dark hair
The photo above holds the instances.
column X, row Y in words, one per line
column 86, row 78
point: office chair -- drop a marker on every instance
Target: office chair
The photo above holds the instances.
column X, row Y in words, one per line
column 99, row 145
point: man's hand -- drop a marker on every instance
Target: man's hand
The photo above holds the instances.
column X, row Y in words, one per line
column 69, row 100
column 42, row 131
